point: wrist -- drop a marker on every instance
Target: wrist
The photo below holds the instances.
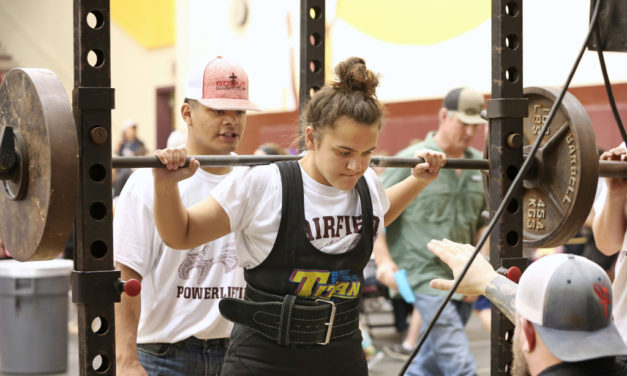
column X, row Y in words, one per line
column 419, row 182
column 386, row 264
column 490, row 279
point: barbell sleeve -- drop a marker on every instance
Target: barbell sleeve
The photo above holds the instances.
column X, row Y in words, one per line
column 613, row 169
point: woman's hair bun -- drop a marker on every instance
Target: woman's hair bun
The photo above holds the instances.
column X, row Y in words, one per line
column 354, row 76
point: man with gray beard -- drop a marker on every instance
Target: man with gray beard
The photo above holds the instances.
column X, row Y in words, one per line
column 562, row 309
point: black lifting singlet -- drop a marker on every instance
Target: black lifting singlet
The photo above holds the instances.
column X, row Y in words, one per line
column 294, row 263
column 300, row 295
column 278, row 332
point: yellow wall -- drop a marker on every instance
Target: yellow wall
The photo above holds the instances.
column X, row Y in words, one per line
column 40, row 34
column 149, row 22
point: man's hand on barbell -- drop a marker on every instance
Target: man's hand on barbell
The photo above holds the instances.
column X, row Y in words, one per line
column 174, row 159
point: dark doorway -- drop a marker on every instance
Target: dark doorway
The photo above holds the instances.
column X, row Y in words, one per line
column 165, row 114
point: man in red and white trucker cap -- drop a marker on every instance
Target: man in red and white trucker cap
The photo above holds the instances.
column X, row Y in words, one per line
column 174, row 327
column 221, row 85
column 562, row 309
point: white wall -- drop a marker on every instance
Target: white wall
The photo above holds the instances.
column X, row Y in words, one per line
column 553, row 33
column 39, row 33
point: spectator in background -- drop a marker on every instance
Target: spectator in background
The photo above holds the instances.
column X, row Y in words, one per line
column 130, row 145
column 610, row 233
column 450, row 207
column 176, row 138
column 583, row 243
column 270, row 148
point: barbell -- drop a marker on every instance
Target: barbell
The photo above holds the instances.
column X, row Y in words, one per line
column 39, row 166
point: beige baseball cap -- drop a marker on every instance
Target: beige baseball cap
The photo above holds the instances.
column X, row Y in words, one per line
column 466, row 103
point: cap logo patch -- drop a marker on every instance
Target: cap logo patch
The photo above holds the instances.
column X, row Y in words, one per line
column 232, row 84
column 604, row 295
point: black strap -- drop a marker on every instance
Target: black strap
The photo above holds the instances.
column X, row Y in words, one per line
column 292, row 320
column 283, row 338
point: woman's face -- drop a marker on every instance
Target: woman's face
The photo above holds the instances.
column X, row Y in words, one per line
column 342, row 154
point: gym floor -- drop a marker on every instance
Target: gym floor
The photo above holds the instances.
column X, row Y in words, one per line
column 380, row 364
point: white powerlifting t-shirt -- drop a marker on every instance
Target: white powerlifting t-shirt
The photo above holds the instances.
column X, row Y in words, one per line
column 181, row 289
column 253, row 200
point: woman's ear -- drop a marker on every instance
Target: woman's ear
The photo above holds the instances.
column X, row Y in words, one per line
column 310, row 138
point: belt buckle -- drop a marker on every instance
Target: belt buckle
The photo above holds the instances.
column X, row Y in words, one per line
column 330, row 323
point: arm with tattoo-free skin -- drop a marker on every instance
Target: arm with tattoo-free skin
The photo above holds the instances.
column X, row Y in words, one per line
column 386, row 267
column 480, row 279
column 179, row 227
column 402, row 193
column 609, row 224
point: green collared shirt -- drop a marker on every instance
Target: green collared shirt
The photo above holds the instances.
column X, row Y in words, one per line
column 449, row 207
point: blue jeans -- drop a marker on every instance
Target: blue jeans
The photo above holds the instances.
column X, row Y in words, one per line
column 190, row 357
column 446, row 350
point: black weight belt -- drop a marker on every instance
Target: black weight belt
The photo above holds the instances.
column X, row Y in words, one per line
column 292, row 320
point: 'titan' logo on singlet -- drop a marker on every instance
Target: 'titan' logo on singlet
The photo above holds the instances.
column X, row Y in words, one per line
column 326, row 284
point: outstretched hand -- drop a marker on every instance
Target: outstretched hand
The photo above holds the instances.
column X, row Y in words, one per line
column 456, row 255
column 429, row 169
column 174, row 159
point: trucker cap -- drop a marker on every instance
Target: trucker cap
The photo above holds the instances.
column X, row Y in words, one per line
column 221, row 85
column 466, row 103
column 569, row 300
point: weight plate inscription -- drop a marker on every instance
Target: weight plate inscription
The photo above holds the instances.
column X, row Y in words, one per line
column 559, row 191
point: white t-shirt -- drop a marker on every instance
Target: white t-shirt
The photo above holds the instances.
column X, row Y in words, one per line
column 253, row 201
column 181, row 289
column 619, row 286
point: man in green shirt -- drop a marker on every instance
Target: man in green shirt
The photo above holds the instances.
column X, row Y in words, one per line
column 450, row 207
